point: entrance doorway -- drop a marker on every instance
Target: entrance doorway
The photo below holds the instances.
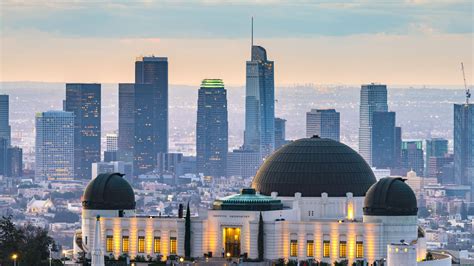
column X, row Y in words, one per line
column 232, row 241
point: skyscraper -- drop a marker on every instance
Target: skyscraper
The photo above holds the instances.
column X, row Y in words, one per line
column 435, row 148
column 5, row 130
column 373, row 98
column 144, row 123
column 323, row 122
column 111, row 142
column 3, row 156
column 212, row 129
column 54, row 145
column 464, row 145
column 154, row 71
column 126, row 122
column 14, row 162
column 412, row 156
column 84, row 100
column 259, row 132
column 280, row 132
column 243, row 163
column 383, row 139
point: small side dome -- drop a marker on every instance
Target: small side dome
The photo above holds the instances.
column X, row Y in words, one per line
column 390, row 197
column 109, row 191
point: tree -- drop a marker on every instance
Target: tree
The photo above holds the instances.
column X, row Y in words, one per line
column 31, row 243
column 180, row 211
column 187, row 233
column 260, row 238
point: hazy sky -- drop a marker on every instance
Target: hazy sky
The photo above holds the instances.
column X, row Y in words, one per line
column 322, row 42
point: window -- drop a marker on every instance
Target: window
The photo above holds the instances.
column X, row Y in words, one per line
column 310, row 248
column 157, row 244
column 293, row 248
column 109, row 244
column 326, row 248
column 125, row 244
column 359, row 249
column 173, row 246
column 141, row 244
column 342, row 249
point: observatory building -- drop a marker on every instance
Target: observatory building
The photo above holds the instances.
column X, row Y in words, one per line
column 318, row 199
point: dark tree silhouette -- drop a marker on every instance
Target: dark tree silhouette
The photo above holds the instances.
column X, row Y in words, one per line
column 260, row 238
column 187, row 234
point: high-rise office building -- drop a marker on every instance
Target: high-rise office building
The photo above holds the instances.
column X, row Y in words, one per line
column 5, row 130
column 144, row 148
column 154, row 71
column 383, row 139
column 3, row 156
column 464, row 145
column 14, row 162
column 373, row 98
column 84, row 100
column 259, row 132
column 436, row 148
column 212, row 129
column 280, row 132
column 126, row 121
column 324, row 123
column 111, row 141
column 55, row 146
column 412, row 156
column 398, row 147
column 243, row 163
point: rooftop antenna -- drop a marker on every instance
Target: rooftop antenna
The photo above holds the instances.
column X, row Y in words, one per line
column 468, row 92
column 251, row 39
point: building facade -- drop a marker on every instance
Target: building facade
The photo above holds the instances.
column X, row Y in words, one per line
column 54, row 154
column 259, row 132
column 383, row 140
column 126, row 121
column 5, row 130
column 412, row 156
column 84, row 100
column 243, row 163
column 353, row 222
column 280, row 132
column 373, row 98
column 154, row 71
column 212, row 129
column 324, row 123
column 464, row 145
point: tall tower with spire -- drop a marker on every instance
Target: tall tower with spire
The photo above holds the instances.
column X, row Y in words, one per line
column 259, row 135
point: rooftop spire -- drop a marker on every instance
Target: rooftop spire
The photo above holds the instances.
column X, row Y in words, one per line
column 251, row 38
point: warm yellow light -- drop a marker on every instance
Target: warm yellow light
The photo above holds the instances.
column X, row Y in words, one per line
column 350, row 211
column 181, row 259
column 14, row 256
column 228, row 254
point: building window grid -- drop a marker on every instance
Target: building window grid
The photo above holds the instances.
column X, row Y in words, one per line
column 293, row 248
column 359, row 249
column 157, row 244
column 326, row 248
column 310, row 248
column 125, row 244
column 141, row 244
column 342, row 249
column 109, row 244
column 173, row 246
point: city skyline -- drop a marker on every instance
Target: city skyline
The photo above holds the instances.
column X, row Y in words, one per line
column 410, row 42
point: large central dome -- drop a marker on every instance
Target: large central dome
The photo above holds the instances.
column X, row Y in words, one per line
column 313, row 166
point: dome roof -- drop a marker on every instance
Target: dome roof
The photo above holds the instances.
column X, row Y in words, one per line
column 390, row 197
column 248, row 200
column 109, row 192
column 313, row 166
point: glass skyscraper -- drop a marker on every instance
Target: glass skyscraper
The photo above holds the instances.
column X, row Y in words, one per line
column 84, row 100
column 464, row 145
column 323, row 122
column 383, row 140
column 373, row 98
column 154, row 71
column 54, row 146
column 212, row 129
column 412, row 156
column 126, row 122
column 259, row 132
column 5, row 130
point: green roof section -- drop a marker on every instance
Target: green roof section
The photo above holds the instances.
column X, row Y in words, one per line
column 248, row 200
column 212, row 83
